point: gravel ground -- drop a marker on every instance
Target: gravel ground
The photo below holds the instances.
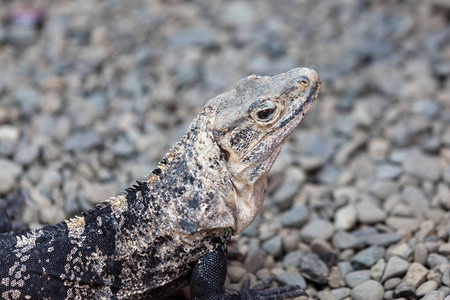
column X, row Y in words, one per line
column 93, row 93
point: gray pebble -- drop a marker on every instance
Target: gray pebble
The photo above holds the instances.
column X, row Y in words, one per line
column 423, row 166
column 434, row 295
column 368, row 257
column 383, row 239
column 292, row 259
column 317, row 229
column 235, row 273
column 345, row 217
column 344, row 268
column 416, row 274
column 395, row 266
column 383, row 189
column 355, row 278
column 405, row 290
column 426, row 287
column 376, row 271
column 9, row 171
column 388, row 171
column 390, row 284
column 325, row 295
column 273, row 245
column 368, row 213
column 82, row 141
column 416, row 200
column 343, row 240
column 446, row 276
column 254, row 260
column 27, row 154
column 291, row 277
column 314, row 269
column 434, row 260
column 341, row 293
column 284, row 194
column 296, row 216
column 368, row 290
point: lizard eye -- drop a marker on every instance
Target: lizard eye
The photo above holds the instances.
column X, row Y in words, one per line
column 265, row 112
column 304, row 82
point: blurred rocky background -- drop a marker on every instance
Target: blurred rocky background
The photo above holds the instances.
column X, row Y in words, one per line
column 93, row 93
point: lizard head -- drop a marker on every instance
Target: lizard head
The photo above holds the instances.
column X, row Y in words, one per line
column 252, row 123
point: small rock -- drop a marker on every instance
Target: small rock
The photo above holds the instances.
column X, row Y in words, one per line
column 446, row 276
column 420, row 253
column 273, row 246
column 403, row 223
column 388, row 171
column 9, row 134
column 416, row 274
column 343, row 240
column 401, row 250
column 368, row 213
column 405, row 290
column 416, row 200
column 368, row 290
column 423, row 166
column 255, row 260
column 82, row 141
column 314, row 269
column 289, row 188
column 9, row 171
column 434, row 295
column 292, row 259
column 395, row 266
column 426, row 287
column 388, row 295
column 97, row 192
column 235, row 273
column 311, row 163
column 344, row 268
column 345, row 217
column 355, row 278
column 368, row 257
column 383, row 239
column 317, row 229
column 291, row 277
column 341, row 293
column 376, row 271
column 378, row 148
column 335, row 279
column 383, row 189
column 392, row 283
column 325, row 295
column 434, row 260
column 444, row 250
column 296, row 216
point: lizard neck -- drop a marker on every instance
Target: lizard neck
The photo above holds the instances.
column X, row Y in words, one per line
column 193, row 182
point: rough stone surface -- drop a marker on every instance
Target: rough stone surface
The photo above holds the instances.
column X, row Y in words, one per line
column 395, row 266
column 317, row 229
column 368, row 290
column 416, row 274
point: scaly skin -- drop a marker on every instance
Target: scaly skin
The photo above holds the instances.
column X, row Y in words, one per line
column 173, row 229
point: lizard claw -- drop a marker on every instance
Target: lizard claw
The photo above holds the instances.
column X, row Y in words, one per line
column 260, row 291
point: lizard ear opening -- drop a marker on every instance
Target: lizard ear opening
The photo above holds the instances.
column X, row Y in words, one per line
column 225, row 155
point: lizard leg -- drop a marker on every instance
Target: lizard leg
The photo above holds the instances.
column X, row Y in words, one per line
column 208, row 279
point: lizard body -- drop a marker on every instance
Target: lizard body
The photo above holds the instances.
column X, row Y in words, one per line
column 171, row 230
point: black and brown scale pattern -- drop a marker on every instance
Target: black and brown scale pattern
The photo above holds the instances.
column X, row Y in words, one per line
column 146, row 242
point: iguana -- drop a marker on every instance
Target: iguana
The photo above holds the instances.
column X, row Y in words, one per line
column 171, row 230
